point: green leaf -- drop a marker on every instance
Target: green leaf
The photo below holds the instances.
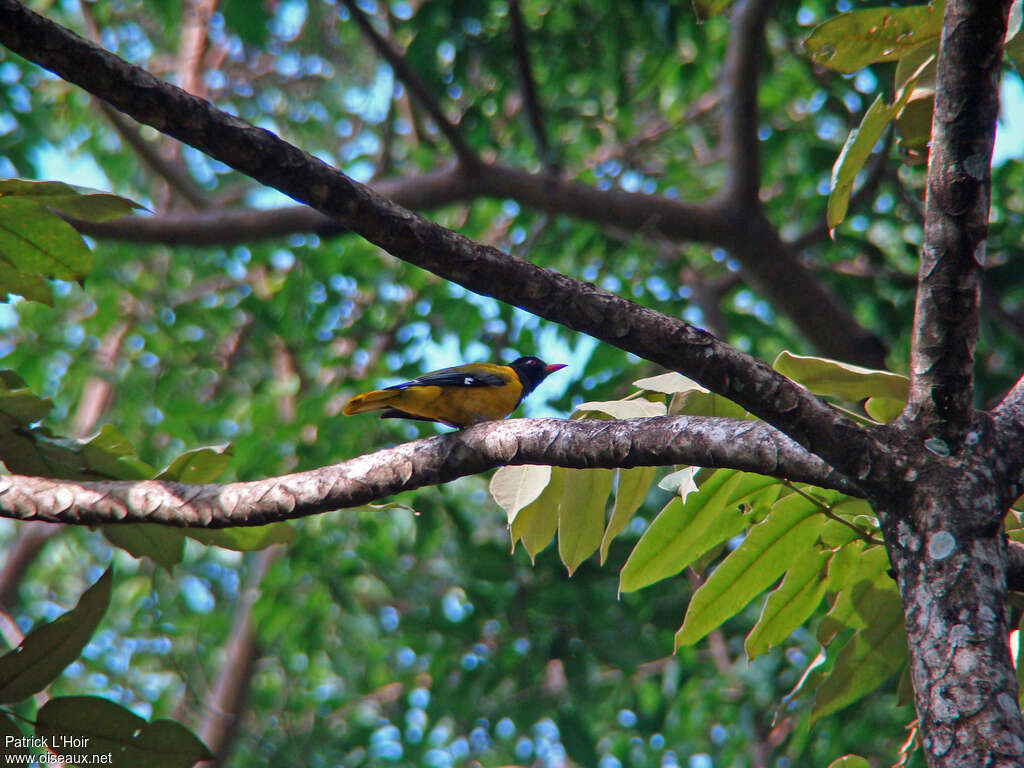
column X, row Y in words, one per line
column 105, row 728
column 843, row 564
column 515, row 487
column 536, row 523
column 852, row 41
column 31, row 287
column 849, row 761
column 684, row 531
column 843, row 380
column 872, row 655
column 914, row 121
column 248, row 19
column 701, row 402
column 581, row 514
column 244, row 539
column 849, row 607
column 162, row 544
column 110, row 453
column 47, row 650
column 78, row 203
column 9, row 736
column 632, row 488
column 36, row 242
column 789, row 604
column 19, row 404
column 199, row 465
column 858, row 147
column 884, row 409
column 769, row 547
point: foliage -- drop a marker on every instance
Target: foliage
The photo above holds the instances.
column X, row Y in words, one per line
column 388, row 635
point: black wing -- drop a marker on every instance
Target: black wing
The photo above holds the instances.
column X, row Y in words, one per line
column 453, row 377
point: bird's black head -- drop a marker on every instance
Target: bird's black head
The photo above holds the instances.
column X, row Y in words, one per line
column 532, row 371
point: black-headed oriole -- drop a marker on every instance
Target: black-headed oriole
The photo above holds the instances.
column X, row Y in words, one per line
column 459, row 396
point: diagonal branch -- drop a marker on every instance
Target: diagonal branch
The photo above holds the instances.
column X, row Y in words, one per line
column 265, row 157
column 416, row 86
column 945, row 330
column 531, row 104
column 767, row 262
column 168, row 169
column 665, row 440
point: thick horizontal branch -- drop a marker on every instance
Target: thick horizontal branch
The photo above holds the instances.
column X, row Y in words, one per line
column 694, row 440
column 580, row 306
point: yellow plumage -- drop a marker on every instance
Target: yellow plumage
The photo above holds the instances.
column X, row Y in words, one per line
column 459, row 396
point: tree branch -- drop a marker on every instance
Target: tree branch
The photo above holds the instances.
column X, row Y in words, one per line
column 701, row 441
column 1009, row 420
column 940, row 405
column 1015, row 566
column 416, row 86
column 224, row 703
column 739, row 103
column 767, row 262
column 580, row 306
column 531, row 104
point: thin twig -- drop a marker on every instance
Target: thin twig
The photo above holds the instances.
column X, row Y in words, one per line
column 531, row 104
column 826, row 509
column 416, row 86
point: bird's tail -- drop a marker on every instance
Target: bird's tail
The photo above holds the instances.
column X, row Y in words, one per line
column 376, row 400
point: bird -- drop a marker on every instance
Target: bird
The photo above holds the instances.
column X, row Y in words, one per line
column 459, row 396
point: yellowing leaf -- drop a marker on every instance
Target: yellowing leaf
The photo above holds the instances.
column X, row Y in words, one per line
column 843, row 380
column 670, row 383
column 515, row 487
column 536, row 523
column 581, row 514
column 621, row 409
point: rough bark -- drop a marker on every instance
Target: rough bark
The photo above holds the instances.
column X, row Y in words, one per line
column 699, row 441
column 942, row 517
column 945, row 541
column 956, row 220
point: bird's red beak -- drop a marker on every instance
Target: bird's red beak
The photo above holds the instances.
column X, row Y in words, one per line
column 553, row 367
